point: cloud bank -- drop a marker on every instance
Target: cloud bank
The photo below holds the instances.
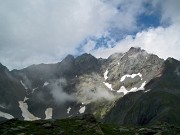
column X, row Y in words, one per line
column 163, row 41
column 43, row 31
column 58, row 93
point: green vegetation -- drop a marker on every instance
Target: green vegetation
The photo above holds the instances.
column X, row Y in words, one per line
column 81, row 125
column 69, row 126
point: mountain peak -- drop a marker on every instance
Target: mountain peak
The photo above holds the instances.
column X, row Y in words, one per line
column 135, row 50
column 171, row 60
column 171, row 64
column 115, row 56
column 69, row 58
column 86, row 56
column 2, row 67
column 106, row 88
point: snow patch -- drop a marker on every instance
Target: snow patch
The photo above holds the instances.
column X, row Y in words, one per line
column 48, row 113
column 105, row 74
column 45, row 84
column 125, row 91
column 134, row 89
column 108, row 85
column 118, row 63
column 34, row 89
column 68, row 110
column 147, row 90
column 25, row 113
column 23, row 85
column 142, row 86
column 6, row 115
column 82, row 109
column 25, row 99
column 131, row 76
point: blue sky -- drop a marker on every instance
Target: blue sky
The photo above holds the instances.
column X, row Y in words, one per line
column 43, row 31
column 144, row 22
column 149, row 18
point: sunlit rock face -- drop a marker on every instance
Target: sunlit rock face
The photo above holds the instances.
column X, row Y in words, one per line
column 81, row 85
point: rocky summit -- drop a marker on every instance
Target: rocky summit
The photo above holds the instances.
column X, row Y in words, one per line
column 134, row 88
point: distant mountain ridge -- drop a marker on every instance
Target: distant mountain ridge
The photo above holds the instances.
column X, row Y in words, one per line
column 134, row 87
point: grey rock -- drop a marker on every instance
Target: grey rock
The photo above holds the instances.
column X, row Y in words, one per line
column 146, row 131
column 83, row 79
column 158, row 133
column 21, row 127
column 124, row 130
column 47, row 125
column 21, row 134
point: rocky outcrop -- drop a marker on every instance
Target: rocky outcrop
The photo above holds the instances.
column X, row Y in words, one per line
column 82, row 125
column 130, row 87
column 158, row 103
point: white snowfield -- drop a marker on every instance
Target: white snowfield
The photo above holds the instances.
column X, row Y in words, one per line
column 45, row 84
column 142, row 86
column 6, row 115
column 25, row 113
column 48, row 113
column 131, row 76
column 68, row 110
column 82, row 109
column 24, row 85
column 105, row 74
column 125, row 91
column 108, row 85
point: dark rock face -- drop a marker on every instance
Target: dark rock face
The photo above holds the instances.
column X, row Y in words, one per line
column 87, row 63
column 159, row 104
column 11, row 91
column 127, row 88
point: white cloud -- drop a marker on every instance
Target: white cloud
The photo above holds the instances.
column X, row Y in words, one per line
column 58, row 93
column 45, row 31
column 163, row 41
column 89, row 46
column 170, row 10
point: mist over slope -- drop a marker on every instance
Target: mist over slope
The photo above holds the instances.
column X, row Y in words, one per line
column 134, row 87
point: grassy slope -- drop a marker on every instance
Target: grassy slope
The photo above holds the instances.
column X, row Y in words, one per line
column 82, row 125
